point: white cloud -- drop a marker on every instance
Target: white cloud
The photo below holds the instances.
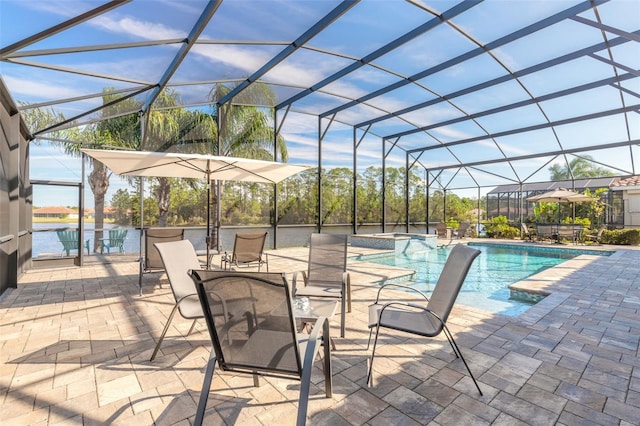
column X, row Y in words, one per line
column 39, row 88
column 138, row 28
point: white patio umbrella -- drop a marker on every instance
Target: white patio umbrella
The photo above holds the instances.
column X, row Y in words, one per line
column 198, row 166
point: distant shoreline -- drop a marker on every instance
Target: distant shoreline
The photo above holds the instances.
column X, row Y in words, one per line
column 66, row 220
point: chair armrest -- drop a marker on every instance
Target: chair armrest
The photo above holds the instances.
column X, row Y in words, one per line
column 402, row 287
column 401, row 306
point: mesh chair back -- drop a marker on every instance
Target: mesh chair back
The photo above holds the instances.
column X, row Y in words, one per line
column 463, row 228
column 327, row 259
column 248, row 247
column 260, row 336
column 178, row 257
column 450, row 281
column 152, row 258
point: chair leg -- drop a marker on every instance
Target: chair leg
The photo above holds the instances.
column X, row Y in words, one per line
column 373, row 354
column 328, row 374
column 343, row 318
column 204, row 393
column 193, row 325
column 455, row 352
column 307, row 365
column 446, row 331
column 140, row 272
column 369, row 341
column 166, row 327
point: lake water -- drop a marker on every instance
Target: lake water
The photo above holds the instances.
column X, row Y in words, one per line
column 46, row 243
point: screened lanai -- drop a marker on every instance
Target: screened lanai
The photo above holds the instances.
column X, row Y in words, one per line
column 390, row 102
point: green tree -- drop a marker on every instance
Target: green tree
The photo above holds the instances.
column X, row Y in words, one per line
column 337, row 195
column 122, row 201
column 118, row 127
column 369, row 193
column 246, row 131
column 417, row 198
column 298, row 202
column 579, row 167
column 172, row 128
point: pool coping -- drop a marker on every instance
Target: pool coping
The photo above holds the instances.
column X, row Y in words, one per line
column 534, row 288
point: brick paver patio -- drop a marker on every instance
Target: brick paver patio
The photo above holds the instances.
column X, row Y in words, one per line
column 75, row 346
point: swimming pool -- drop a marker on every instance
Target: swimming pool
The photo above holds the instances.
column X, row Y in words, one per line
column 487, row 284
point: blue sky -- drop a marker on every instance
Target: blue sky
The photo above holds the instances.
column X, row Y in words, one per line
column 355, row 34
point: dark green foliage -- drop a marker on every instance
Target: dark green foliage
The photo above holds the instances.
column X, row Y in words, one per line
column 498, row 227
column 630, row 237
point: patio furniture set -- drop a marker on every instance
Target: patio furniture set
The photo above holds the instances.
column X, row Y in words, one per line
column 558, row 233
column 261, row 325
column 444, row 231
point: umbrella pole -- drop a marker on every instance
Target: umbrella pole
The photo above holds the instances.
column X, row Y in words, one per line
column 208, row 237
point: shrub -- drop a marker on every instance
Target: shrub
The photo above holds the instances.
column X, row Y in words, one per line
column 498, row 227
column 585, row 222
column 629, row 237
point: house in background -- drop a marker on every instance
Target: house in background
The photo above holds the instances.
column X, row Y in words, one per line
column 630, row 188
column 55, row 212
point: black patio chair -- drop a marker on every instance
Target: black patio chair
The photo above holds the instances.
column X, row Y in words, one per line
column 260, row 337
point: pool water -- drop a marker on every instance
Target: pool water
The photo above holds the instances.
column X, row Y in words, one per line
column 487, row 284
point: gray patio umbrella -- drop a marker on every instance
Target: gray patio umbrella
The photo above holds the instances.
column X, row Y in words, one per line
column 198, row 166
column 560, row 195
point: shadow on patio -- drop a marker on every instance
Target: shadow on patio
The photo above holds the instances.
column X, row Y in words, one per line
column 76, row 344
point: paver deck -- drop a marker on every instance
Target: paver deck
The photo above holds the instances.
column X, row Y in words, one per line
column 75, row 346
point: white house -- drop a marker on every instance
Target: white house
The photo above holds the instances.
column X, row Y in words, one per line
column 630, row 188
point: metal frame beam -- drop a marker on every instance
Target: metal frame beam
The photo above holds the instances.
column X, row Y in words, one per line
column 532, row 101
column 544, row 23
column 208, row 12
column 499, row 80
column 542, row 154
column 433, row 23
column 62, row 26
column 337, row 12
column 577, row 119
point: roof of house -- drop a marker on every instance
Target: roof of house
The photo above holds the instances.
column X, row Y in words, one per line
column 578, row 185
column 55, row 210
column 626, row 183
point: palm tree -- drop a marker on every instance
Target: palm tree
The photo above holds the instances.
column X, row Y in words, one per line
column 579, row 167
column 172, row 128
column 244, row 128
column 122, row 131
